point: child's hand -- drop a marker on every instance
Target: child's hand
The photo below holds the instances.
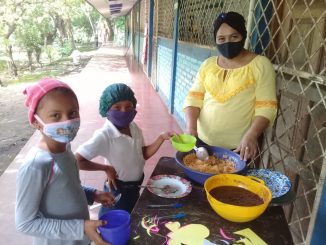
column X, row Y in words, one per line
column 111, row 176
column 105, row 198
column 90, row 228
column 167, row 135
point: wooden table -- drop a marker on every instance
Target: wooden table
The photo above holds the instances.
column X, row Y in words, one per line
column 271, row 226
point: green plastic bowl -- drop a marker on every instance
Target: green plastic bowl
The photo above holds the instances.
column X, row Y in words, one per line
column 183, row 142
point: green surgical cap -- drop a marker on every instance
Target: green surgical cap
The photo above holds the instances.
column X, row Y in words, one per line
column 113, row 94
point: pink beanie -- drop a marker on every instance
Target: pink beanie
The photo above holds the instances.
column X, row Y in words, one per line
column 36, row 92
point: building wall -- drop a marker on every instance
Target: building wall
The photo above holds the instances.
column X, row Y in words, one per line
column 189, row 59
column 164, row 64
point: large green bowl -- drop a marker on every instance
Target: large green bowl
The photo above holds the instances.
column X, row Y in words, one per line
column 183, row 142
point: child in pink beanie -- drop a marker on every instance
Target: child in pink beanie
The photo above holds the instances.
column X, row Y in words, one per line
column 51, row 204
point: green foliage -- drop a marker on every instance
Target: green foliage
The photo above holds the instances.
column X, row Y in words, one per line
column 119, row 37
column 34, row 27
column 3, row 65
column 81, row 21
column 50, row 27
column 120, row 23
column 52, row 53
column 66, row 49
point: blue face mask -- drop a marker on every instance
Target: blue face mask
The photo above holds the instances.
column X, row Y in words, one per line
column 62, row 132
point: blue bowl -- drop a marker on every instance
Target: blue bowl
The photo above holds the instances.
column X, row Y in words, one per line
column 117, row 229
column 219, row 152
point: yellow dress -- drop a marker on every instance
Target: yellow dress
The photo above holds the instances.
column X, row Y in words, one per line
column 228, row 105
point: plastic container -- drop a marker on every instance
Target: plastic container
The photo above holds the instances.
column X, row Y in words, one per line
column 117, row 229
column 219, row 152
column 183, row 142
column 233, row 212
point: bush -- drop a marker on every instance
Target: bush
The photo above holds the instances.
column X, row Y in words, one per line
column 65, row 50
column 51, row 53
column 3, row 65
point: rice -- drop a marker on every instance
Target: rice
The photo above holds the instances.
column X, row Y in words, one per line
column 213, row 165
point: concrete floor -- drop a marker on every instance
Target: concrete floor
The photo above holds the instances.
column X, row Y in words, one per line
column 109, row 65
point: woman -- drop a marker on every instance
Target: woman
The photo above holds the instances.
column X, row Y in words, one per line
column 233, row 99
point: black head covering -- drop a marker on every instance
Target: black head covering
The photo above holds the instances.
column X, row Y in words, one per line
column 233, row 19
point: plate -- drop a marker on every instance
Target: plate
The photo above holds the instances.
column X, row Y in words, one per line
column 278, row 183
column 181, row 186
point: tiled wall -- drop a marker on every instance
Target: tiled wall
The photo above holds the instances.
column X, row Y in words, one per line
column 189, row 58
column 164, row 66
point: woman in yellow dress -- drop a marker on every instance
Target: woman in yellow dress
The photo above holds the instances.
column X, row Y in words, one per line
column 233, row 98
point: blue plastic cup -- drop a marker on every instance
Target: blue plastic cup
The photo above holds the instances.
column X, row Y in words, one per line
column 117, row 229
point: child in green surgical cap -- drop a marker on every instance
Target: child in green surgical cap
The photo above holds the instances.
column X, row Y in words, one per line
column 120, row 141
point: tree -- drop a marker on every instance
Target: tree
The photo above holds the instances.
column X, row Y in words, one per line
column 10, row 12
column 34, row 25
column 110, row 25
column 35, row 30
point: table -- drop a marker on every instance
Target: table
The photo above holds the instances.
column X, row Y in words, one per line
column 271, row 226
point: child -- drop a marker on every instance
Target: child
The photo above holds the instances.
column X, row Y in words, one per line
column 120, row 141
column 51, row 205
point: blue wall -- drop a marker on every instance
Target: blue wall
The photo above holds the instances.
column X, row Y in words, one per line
column 164, row 63
column 189, row 58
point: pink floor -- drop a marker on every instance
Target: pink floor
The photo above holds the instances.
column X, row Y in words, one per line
column 108, row 65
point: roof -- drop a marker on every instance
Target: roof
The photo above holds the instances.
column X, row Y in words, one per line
column 112, row 8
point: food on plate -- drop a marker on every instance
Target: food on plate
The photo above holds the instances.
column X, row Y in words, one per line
column 213, row 165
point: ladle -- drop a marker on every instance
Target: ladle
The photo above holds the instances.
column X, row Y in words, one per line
column 201, row 153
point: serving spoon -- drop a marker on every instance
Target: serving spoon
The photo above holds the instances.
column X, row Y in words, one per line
column 201, row 153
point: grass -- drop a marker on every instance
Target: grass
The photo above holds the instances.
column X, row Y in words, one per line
column 53, row 69
column 84, row 48
column 34, row 76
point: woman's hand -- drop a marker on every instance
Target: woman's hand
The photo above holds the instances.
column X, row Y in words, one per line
column 111, row 176
column 247, row 148
column 248, row 144
column 105, row 198
column 90, row 228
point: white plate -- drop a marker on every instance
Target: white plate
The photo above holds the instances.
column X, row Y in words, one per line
column 182, row 186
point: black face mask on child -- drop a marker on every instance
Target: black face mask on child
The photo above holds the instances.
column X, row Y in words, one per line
column 231, row 49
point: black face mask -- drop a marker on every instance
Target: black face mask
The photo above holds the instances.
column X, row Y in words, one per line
column 231, row 49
